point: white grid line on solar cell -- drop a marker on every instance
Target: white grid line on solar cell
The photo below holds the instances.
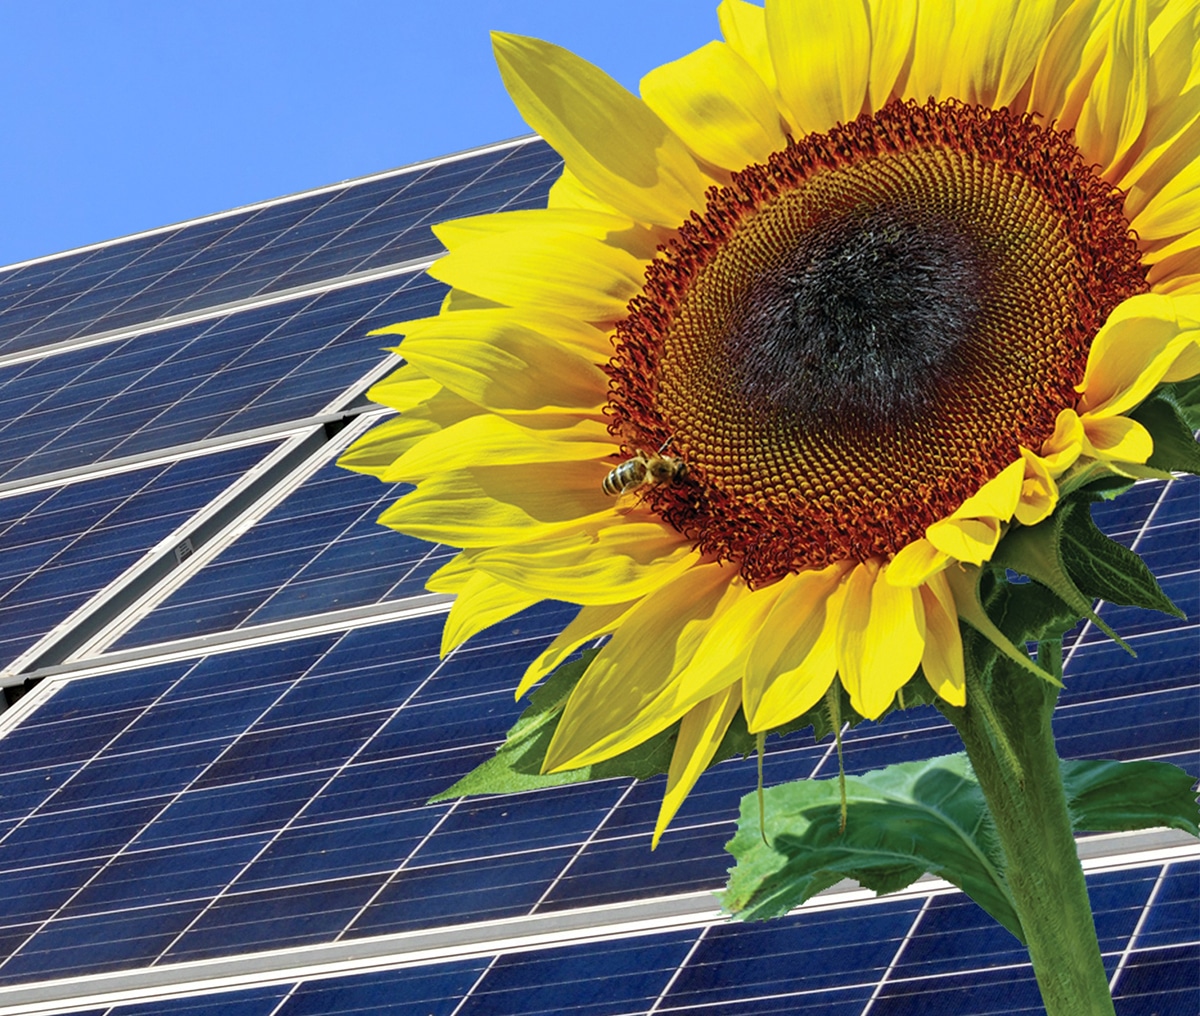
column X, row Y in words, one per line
column 383, row 723
column 1137, row 930
column 485, row 939
column 413, row 167
column 666, row 990
column 895, row 961
column 178, row 453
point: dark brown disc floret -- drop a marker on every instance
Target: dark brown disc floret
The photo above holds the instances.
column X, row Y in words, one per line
column 856, row 335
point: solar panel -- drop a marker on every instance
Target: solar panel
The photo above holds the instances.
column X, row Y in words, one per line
column 311, row 237
column 60, row 546
column 217, row 802
column 320, row 550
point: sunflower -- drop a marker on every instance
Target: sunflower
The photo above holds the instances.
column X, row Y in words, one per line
column 836, row 302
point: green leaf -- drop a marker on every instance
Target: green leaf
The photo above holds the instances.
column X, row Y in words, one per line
column 902, row 821
column 918, row 817
column 1175, row 447
column 1185, row 396
column 1108, row 796
column 1103, row 568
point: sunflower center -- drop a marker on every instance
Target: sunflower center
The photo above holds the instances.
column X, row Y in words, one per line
column 859, row 320
column 855, row 336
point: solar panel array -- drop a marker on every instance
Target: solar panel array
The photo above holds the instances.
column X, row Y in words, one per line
column 234, row 710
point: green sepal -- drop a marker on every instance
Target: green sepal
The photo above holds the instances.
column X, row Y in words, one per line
column 1101, row 567
column 965, row 585
column 1175, row 447
column 918, row 817
column 1036, row 551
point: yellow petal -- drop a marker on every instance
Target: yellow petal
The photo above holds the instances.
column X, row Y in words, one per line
column 1171, row 105
column 700, row 734
column 1039, row 492
column 641, row 168
column 1133, row 351
column 969, row 540
column 610, row 561
column 1069, row 61
column 493, row 440
column 1115, row 109
column 498, row 362
column 1175, row 209
column 610, row 227
column 568, row 192
column 626, row 694
column 547, row 268
column 468, row 507
column 404, row 389
column 1165, row 175
column 932, row 63
column 942, row 660
column 881, row 638
column 996, row 46
column 997, row 498
column 588, row 625
column 781, row 681
column 892, row 26
column 1064, row 446
column 481, row 603
column 822, row 57
column 718, row 105
column 915, row 563
column 744, row 27
column 1118, row 439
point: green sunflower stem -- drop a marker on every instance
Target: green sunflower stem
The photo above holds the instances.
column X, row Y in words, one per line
column 1005, row 727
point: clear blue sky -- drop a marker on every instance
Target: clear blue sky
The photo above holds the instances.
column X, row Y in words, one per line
column 123, row 115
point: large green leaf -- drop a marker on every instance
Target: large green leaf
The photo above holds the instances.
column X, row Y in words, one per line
column 918, row 817
column 1105, row 796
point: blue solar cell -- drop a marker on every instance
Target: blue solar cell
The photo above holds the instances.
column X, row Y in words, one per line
column 477, row 890
column 1175, row 913
column 612, row 978
column 422, row 991
column 254, row 1002
column 1161, row 981
column 254, row 368
column 275, row 918
column 841, row 949
column 151, row 878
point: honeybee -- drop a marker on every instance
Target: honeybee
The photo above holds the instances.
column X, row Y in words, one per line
column 628, row 479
